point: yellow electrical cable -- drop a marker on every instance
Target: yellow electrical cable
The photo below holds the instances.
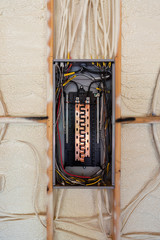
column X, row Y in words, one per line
column 89, row 184
column 99, row 65
column 80, row 180
column 92, row 62
column 68, row 74
column 62, row 177
column 91, row 179
column 104, row 64
column 99, row 89
column 109, row 64
column 68, row 58
column 70, row 79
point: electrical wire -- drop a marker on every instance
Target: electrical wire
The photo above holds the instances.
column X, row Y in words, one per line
column 75, row 83
column 89, row 184
column 153, row 110
column 95, row 22
column 5, row 113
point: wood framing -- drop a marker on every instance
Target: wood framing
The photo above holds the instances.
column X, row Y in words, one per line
column 116, row 205
column 50, row 7
column 23, row 119
column 134, row 120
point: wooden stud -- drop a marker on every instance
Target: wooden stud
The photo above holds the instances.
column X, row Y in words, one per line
column 116, row 206
column 50, row 6
column 134, row 120
column 23, row 119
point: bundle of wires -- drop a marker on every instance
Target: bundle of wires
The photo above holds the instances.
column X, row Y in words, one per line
column 62, row 81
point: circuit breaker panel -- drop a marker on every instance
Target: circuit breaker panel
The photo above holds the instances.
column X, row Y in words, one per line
column 82, row 129
column 82, row 147
column 83, row 154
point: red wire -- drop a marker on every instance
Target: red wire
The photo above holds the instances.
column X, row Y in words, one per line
column 61, row 146
column 70, row 65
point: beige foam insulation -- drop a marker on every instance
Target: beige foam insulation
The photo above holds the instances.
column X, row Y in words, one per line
column 140, row 55
column 19, row 168
column 140, row 190
column 23, row 49
column 23, row 80
column 140, row 164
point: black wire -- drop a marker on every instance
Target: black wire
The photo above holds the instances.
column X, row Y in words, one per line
column 74, row 84
column 95, row 81
column 103, row 79
column 87, row 85
column 95, row 72
column 85, row 69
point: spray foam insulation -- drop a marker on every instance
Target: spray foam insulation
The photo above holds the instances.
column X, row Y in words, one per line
column 78, row 214
column 23, row 48
column 140, row 55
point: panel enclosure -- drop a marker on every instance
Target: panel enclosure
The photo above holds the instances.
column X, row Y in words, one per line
column 83, row 123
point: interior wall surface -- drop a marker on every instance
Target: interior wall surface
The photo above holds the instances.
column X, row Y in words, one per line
column 79, row 214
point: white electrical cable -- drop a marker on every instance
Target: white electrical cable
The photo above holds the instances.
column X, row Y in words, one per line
column 151, row 186
column 83, row 222
column 89, row 29
column 95, row 13
column 5, row 112
column 113, row 28
column 75, row 27
column 108, row 30
column 58, row 205
column 100, row 216
column 117, row 25
column 70, row 23
column 102, row 19
column 59, row 27
column 64, row 32
column 156, row 95
column 104, row 29
column 99, row 20
column 62, row 39
column 107, row 203
column 83, row 30
column 153, row 109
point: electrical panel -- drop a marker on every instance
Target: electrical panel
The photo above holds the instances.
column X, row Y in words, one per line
column 83, row 123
